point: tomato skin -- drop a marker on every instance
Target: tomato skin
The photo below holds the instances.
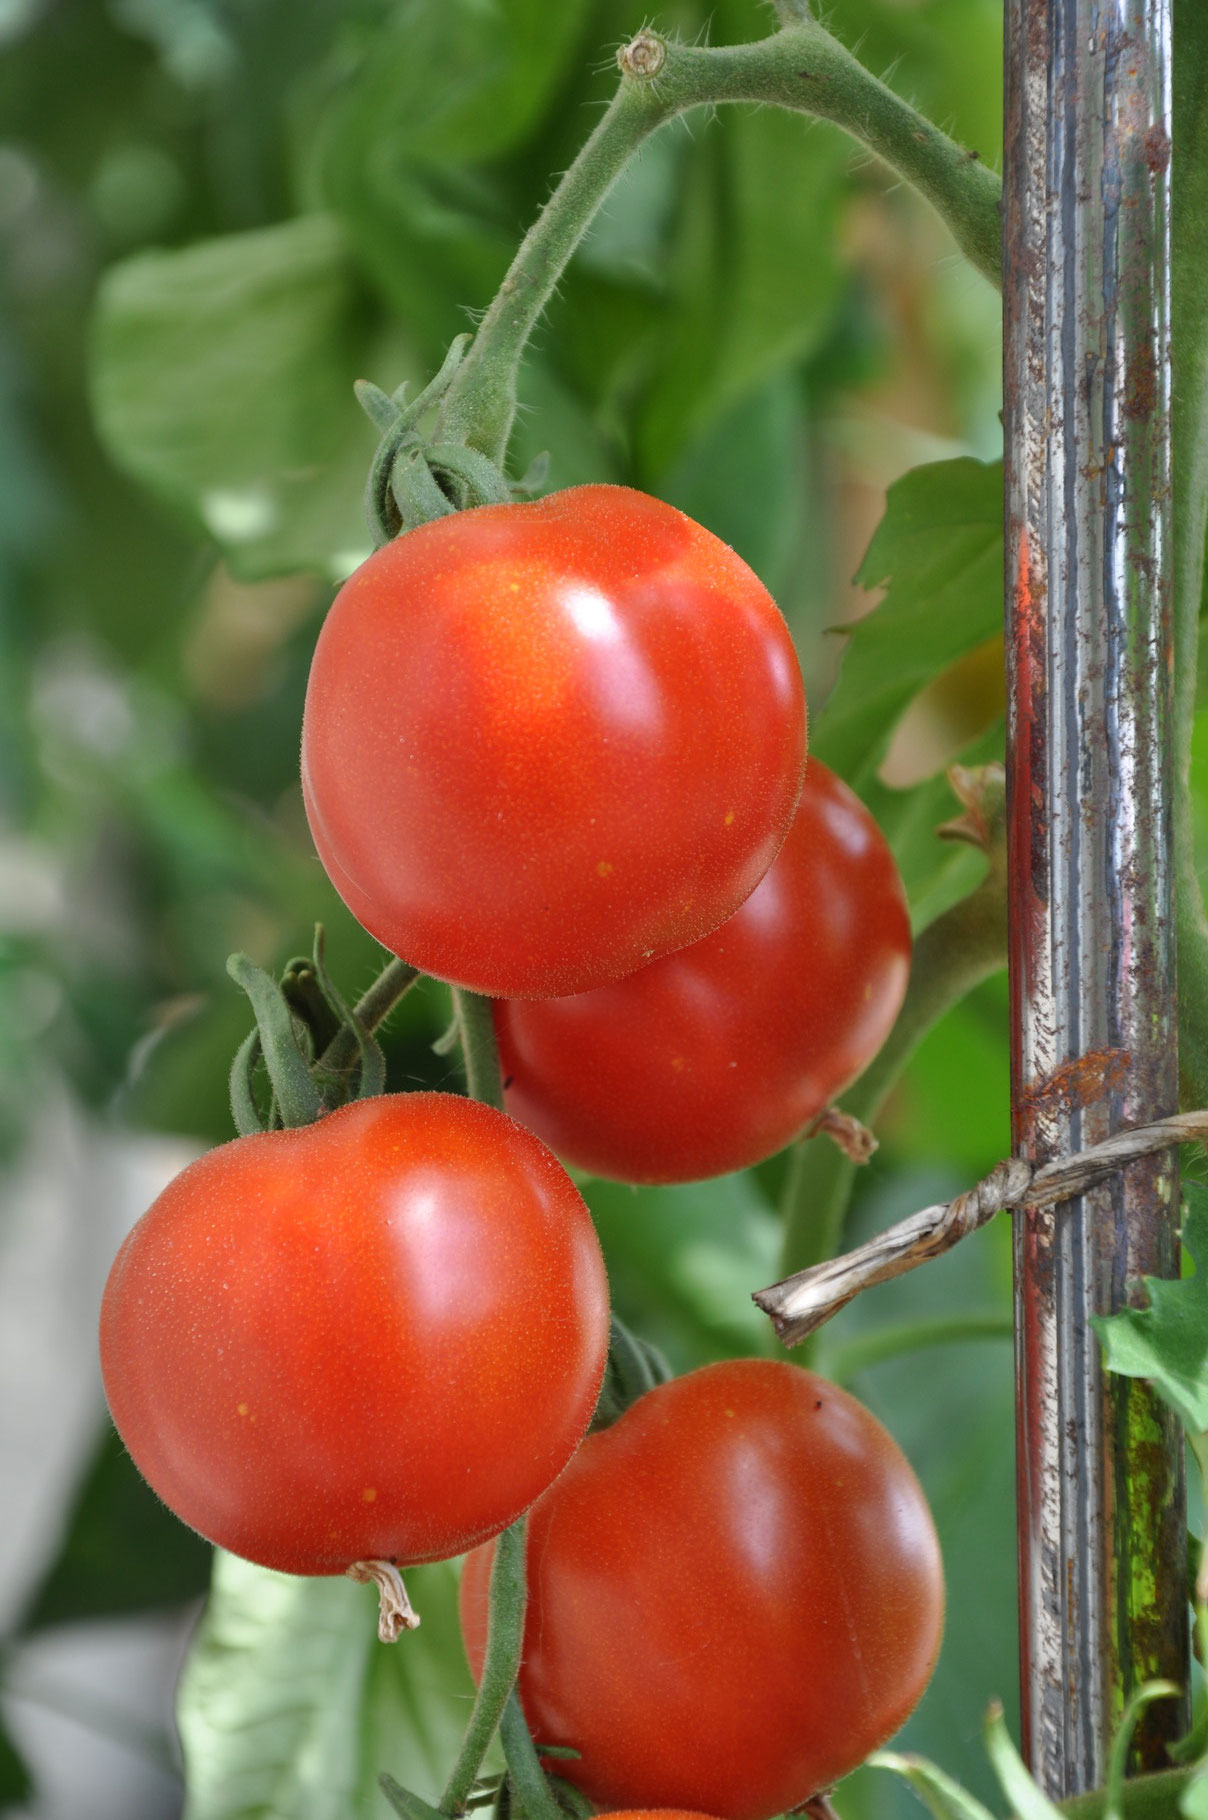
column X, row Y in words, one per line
column 376, row 1337
column 713, row 1058
column 544, row 743
column 735, row 1595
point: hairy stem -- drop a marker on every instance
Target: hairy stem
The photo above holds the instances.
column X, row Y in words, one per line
column 956, row 953
column 505, row 1639
column 480, row 1052
column 531, row 1792
column 801, row 67
column 373, row 1008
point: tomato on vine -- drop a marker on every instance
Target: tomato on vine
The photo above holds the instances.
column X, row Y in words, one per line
column 377, row 1337
column 545, row 743
column 712, row 1058
column 735, row 1594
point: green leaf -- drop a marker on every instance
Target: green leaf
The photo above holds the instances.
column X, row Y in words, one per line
column 290, row 1706
column 754, row 269
column 939, row 552
column 123, row 1551
column 1168, row 1341
column 943, row 1798
column 439, row 87
column 1027, row 1800
column 221, row 379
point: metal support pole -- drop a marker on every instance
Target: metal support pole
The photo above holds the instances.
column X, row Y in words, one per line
column 1087, row 384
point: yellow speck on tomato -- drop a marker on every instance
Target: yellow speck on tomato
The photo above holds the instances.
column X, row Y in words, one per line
column 729, row 817
column 369, row 1494
column 604, row 868
column 241, row 1409
column 677, row 1062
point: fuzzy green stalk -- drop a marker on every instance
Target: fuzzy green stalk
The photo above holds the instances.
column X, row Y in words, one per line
column 505, row 1640
column 479, row 1050
column 801, row 67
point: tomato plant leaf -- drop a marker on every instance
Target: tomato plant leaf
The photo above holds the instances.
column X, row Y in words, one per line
column 1027, row 1800
column 753, row 269
column 943, row 1797
column 938, row 551
column 1167, row 1342
column 289, row 1705
column 221, row 379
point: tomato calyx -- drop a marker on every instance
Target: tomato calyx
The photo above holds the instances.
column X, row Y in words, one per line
column 395, row 1610
column 634, row 1366
column 413, row 481
column 847, row 1134
column 317, row 1051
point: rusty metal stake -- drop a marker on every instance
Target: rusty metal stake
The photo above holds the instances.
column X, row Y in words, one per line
column 1087, row 382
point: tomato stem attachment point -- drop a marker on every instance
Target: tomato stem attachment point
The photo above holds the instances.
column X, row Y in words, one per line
column 395, row 1610
column 855, row 1140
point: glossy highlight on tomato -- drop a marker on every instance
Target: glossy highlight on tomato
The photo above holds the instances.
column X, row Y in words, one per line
column 545, row 743
column 735, row 1594
column 712, row 1058
column 378, row 1337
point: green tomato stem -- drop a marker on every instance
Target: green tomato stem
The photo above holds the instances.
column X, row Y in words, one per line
column 505, row 1640
column 392, row 983
column 479, row 1050
column 953, row 955
column 531, row 1792
column 801, row 67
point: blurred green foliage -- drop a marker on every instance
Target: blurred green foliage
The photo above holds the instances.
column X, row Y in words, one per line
column 214, row 215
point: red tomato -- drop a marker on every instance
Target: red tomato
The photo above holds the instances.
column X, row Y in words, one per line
column 713, row 1058
column 735, row 1595
column 544, row 743
column 375, row 1338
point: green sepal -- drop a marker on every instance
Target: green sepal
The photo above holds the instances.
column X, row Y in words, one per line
column 533, row 479
column 373, row 1061
column 633, row 1368
column 244, row 1110
column 477, row 476
column 381, row 507
column 288, row 1069
column 410, row 1806
column 415, row 494
column 377, row 405
column 307, row 998
column 570, row 1799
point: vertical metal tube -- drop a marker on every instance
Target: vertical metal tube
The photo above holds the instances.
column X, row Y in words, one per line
column 1087, row 419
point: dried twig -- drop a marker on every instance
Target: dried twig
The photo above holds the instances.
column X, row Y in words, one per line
column 803, row 1302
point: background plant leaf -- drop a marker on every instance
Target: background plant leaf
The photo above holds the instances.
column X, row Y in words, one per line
column 1168, row 1341
column 222, row 378
column 939, row 553
column 290, row 1706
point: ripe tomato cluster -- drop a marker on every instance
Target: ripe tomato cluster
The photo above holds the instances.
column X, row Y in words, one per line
column 555, row 754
